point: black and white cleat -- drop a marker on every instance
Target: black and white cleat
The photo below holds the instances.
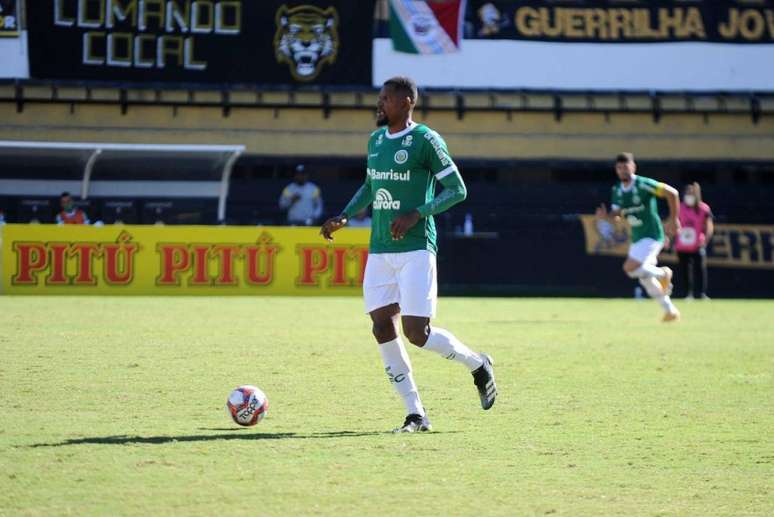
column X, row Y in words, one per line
column 483, row 378
column 414, row 424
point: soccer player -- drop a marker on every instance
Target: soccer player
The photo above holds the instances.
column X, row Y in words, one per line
column 405, row 160
column 634, row 198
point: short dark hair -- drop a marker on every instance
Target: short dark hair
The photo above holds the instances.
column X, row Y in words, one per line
column 403, row 85
column 624, row 158
column 64, row 194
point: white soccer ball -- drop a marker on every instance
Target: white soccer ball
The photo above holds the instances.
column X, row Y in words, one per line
column 247, row 405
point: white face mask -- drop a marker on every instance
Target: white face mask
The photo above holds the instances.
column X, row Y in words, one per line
column 689, row 199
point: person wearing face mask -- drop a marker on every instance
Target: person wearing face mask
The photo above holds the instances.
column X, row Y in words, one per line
column 70, row 213
column 696, row 231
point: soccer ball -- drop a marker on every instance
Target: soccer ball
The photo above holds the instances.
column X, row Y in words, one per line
column 247, row 405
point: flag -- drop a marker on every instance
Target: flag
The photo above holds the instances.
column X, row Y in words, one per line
column 426, row 27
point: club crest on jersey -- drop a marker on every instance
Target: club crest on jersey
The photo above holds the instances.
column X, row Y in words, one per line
column 636, row 199
column 407, row 141
column 383, row 200
column 401, row 156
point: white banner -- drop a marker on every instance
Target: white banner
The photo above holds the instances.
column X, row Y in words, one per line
column 584, row 66
column 14, row 63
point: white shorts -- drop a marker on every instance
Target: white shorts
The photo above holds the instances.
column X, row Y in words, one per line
column 408, row 279
column 645, row 251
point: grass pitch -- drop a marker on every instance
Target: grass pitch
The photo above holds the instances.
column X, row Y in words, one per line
column 115, row 406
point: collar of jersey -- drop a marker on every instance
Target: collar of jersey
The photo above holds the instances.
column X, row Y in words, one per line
column 402, row 132
column 631, row 185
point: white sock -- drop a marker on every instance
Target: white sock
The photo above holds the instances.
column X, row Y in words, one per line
column 653, row 288
column 444, row 343
column 646, row 270
column 398, row 368
column 666, row 303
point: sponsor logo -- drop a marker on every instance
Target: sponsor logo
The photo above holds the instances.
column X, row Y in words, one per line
column 443, row 157
column 383, row 201
column 373, row 155
column 394, row 378
column 389, row 175
column 401, row 156
column 307, row 38
column 407, row 141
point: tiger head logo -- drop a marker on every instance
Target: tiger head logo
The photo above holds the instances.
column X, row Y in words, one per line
column 307, row 38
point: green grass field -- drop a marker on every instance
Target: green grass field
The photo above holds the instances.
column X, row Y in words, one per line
column 116, row 406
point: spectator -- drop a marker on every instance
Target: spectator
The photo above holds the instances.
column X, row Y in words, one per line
column 301, row 199
column 2, row 217
column 360, row 220
column 70, row 213
column 696, row 231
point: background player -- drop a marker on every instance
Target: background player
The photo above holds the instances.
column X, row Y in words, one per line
column 405, row 159
column 634, row 198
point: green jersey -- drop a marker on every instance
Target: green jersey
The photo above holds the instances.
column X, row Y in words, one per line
column 401, row 176
column 638, row 205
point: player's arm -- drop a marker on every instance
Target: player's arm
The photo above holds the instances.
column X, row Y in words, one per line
column 672, row 196
column 614, row 213
column 611, row 215
column 453, row 192
column 359, row 201
column 441, row 165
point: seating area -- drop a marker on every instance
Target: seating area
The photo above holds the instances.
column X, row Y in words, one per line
column 493, row 206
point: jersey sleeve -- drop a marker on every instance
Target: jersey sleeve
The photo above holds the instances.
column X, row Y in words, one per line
column 651, row 186
column 439, row 161
column 454, row 191
column 441, row 165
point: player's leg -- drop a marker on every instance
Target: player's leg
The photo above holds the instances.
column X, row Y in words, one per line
column 642, row 259
column 641, row 264
column 381, row 295
column 418, row 331
column 418, row 285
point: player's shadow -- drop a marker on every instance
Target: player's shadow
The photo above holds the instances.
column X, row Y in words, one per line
column 247, row 436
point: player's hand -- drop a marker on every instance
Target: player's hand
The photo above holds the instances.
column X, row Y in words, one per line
column 403, row 223
column 331, row 225
column 672, row 227
column 601, row 212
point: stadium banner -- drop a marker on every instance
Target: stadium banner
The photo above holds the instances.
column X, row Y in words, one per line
column 748, row 246
column 180, row 260
column 14, row 63
column 419, row 27
column 702, row 45
column 597, row 21
column 202, row 41
column 9, row 18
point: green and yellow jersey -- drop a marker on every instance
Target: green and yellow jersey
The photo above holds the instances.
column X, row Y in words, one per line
column 638, row 205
